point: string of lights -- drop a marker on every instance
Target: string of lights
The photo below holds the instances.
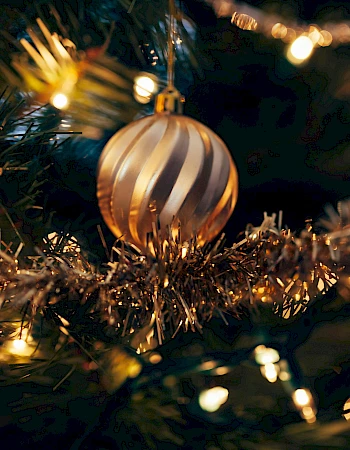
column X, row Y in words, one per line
column 302, row 38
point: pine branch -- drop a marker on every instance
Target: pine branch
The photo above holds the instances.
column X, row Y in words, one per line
column 27, row 143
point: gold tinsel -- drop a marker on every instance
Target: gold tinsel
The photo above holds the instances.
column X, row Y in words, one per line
column 175, row 286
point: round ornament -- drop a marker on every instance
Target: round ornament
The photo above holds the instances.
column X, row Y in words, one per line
column 167, row 168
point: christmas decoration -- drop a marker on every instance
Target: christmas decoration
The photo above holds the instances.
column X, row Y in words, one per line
column 166, row 168
column 302, row 38
column 272, row 23
column 244, row 21
column 92, row 87
column 231, row 345
column 179, row 286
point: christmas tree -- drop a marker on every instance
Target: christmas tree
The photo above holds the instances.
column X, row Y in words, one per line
column 147, row 298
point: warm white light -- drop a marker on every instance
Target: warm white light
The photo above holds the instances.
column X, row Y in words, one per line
column 314, row 34
column 284, row 376
column 270, row 372
column 301, row 397
column 208, row 365
column 279, row 31
column 308, row 414
column 265, row 355
column 302, row 47
column 60, row 101
column 155, row 358
column 144, row 87
column 304, row 402
column 346, row 409
column 300, row 50
column 325, row 38
column 19, row 347
column 211, row 399
column 19, row 344
column 221, row 370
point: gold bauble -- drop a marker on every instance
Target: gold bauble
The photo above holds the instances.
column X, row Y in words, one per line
column 170, row 166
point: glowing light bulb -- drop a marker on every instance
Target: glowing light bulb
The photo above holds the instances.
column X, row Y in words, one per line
column 325, row 38
column 264, row 355
column 270, row 372
column 301, row 397
column 302, row 47
column 284, row 374
column 304, row 402
column 346, row 409
column 19, row 344
column 221, row 370
column 19, row 347
column 244, row 21
column 211, row 399
column 60, row 101
column 300, row 50
column 144, row 87
column 279, row 31
column 208, row 365
column 155, row 358
column 314, row 34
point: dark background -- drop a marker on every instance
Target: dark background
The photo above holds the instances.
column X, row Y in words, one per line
column 286, row 127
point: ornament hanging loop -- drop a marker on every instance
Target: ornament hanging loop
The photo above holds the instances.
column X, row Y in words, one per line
column 170, row 100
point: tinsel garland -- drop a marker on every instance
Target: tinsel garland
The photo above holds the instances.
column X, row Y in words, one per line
column 144, row 300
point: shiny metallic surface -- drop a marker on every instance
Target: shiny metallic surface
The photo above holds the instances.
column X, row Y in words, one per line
column 170, row 166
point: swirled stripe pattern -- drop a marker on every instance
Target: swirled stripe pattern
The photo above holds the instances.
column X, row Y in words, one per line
column 170, row 166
